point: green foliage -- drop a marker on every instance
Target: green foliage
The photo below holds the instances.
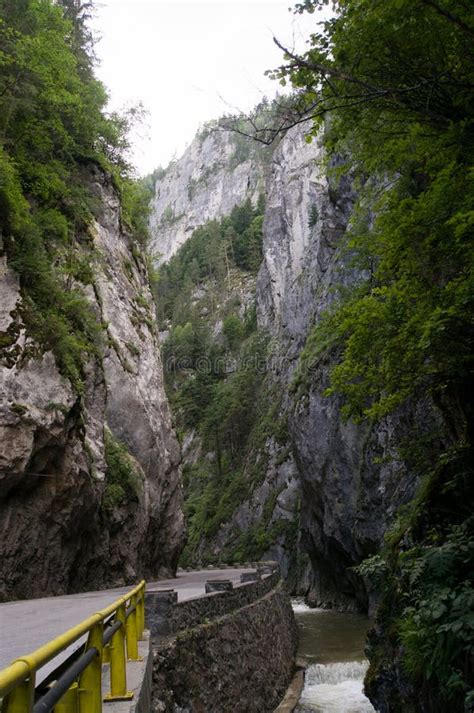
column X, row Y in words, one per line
column 437, row 626
column 233, row 330
column 428, row 598
column 211, row 253
column 232, row 413
column 373, row 65
column 247, row 246
column 241, row 414
column 409, row 324
column 373, row 569
column 397, row 79
column 122, row 480
column 135, row 201
column 52, row 125
column 252, row 133
column 313, row 216
column 216, row 381
column 425, row 573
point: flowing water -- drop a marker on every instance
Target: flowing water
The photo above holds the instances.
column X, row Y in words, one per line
column 332, row 644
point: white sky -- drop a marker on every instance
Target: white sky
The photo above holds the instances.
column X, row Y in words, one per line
column 189, row 61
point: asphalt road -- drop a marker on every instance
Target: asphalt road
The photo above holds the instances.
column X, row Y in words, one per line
column 28, row 624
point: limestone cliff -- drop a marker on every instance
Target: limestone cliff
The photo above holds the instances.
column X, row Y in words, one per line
column 338, row 483
column 218, row 171
column 65, row 524
column 259, row 517
column 352, row 480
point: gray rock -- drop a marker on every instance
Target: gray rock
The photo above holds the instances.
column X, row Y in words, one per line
column 351, row 479
column 55, row 535
column 205, row 183
column 344, row 481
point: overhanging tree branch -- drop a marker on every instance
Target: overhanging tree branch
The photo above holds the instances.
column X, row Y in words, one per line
column 322, row 69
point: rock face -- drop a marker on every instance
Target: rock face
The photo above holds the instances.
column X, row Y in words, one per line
column 343, row 482
column 59, row 532
column 352, row 481
column 218, row 171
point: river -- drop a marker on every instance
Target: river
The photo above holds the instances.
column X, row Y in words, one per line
column 332, row 645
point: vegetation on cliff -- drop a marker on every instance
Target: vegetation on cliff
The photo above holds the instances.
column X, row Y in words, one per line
column 53, row 130
column 215, row 366
column 397, row 79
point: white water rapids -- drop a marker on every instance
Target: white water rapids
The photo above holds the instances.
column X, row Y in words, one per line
column 336, row 688
column 299, row 607
column 332, row 684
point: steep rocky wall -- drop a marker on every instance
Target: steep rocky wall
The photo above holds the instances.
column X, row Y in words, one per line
column 243, row 661
column 57, row 532
column 351, row 477
column 274, row 502
column 342, row 482
column 218, row 171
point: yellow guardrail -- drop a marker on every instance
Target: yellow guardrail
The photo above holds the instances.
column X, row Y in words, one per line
column 113, row 635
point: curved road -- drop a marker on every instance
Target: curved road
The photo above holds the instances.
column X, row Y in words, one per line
column 28, row 624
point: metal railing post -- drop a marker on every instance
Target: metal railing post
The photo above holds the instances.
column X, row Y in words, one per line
column 140, row 613
column 143, row 607
column 131, row 631
column 21, row 699
column 118, row 664
column 69, row 703
column 90, row 681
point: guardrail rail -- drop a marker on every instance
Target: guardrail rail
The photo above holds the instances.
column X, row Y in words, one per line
column 112, row 636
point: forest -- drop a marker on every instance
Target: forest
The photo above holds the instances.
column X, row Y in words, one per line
column 216, row 379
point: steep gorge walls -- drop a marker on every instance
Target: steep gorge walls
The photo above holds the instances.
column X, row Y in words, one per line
column 310, row 484
column 90, row 489
column 306, row 483
column 239, row 476
column 90, row 485
column 352, row 477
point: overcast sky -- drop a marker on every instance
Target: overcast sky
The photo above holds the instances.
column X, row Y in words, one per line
column 189, row 61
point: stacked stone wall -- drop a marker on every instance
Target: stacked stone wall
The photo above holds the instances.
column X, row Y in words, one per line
column 241, row 661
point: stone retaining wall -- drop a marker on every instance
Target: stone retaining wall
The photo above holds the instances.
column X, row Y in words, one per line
column 242, row 661
column 165, row 616
column 195, row 611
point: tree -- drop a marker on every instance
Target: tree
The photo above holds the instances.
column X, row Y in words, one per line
column 79, row 13
column 233, row 330
column 53, row 127
column 413, row 73
column 376, row 60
